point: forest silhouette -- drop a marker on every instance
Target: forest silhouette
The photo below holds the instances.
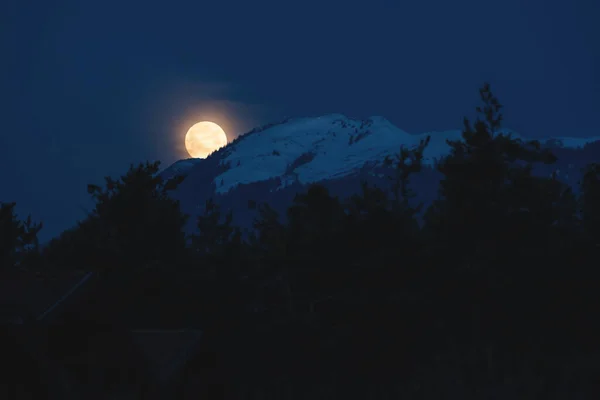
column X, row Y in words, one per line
column 490, row 290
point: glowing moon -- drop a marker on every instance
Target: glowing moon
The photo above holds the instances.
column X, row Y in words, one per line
column 203, row 138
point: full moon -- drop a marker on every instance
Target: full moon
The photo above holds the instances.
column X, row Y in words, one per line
column 203, row 138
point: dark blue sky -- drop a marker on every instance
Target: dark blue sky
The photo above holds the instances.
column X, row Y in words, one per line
column 88, row 87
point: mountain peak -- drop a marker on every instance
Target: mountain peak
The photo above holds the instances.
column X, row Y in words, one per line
column 310, row 149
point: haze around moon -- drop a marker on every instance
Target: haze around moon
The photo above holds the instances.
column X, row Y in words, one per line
column 203, row 138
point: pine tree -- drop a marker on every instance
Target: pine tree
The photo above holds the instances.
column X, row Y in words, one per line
column 315, row 246
column 17, row 238
column 500, row 234
column 216, row 234
column 487, row 187
column 270, row 273
column 405, row 164
column 134, row 223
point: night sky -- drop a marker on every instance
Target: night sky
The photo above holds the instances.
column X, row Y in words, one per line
column 89, row 87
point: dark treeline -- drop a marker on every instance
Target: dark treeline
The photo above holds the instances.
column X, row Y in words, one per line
column 493, row 291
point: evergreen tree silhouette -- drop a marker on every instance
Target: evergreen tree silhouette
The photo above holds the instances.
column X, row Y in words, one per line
column 220, row 254
column 134, row 223
column 18, row 239
column 487, row 188
column 314, row 241
column 269, row 232
column 269, row 263
column 405, row 164
column 216, row 234
column 503, row 242
column 315, row 220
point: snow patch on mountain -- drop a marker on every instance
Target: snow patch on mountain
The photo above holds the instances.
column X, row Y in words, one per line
column 307, row 150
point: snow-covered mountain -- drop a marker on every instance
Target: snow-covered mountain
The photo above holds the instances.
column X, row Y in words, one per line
column 285, row 157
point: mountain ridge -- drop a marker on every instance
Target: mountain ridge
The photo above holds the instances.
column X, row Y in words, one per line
column 313, row 149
